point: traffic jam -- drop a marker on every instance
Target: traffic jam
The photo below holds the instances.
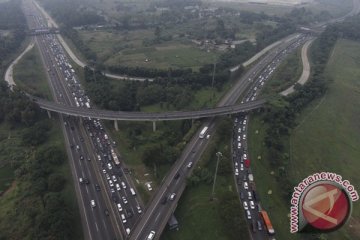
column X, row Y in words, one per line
column 108, row 161
column 257, row 217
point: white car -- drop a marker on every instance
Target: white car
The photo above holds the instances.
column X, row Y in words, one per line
column 236, row 172
column 139, row 209
column 114, row 178
column 149, row 186
column 92, row 203
column 245, row 205
column 248, row 214
column 244, row 136
column 119, row 207
column 151, row 235
column 123, row 218
column 190, row 164
column 239, row 145
column 172, row 196
column 245, row 156
column 241, row 167
column 109, row 166
column 123, row 185
column 111, row 183
column 246, row 186
column 252, row 205
column 239, row 138
column 236, row 164
column 124, row 199
column 127, row 231
column 118, row 187
column 239, row 130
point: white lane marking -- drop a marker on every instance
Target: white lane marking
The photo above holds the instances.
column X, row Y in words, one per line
column 157, row 217
column 97, row 228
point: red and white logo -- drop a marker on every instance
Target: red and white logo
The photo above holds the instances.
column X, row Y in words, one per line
column 325, row 206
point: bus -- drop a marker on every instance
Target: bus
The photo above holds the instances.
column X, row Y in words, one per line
column 203, row 132
column 267, row 222
column 113, row 154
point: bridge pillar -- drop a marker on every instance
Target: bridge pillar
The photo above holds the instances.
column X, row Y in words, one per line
column 154, row 126
column 49, row 114
column 116, row 125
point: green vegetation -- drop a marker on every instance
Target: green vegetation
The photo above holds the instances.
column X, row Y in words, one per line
column 320, row 136
column 30, row 75
column 285, row 75
column 199, row 217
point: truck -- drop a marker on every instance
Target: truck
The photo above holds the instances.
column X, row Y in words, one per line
column 267, row 222
column 203, row 132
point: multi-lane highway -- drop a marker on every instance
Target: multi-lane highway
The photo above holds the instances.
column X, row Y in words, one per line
column 108, row 202
column 161, row 207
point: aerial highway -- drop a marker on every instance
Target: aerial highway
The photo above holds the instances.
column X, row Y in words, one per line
column 107, row 199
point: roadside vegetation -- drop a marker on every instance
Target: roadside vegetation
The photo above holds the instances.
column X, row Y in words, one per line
column 196, row 212
column 311, row 130
column 29, row 75
column 40, row 202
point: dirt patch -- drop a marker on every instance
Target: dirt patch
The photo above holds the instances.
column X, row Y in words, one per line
column 13, row 185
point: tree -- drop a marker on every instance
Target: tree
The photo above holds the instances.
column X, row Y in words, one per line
column 56, row 182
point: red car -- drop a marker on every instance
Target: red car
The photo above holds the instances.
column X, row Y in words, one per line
column 247, row 163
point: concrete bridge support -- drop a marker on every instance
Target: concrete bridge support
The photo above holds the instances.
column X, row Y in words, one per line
column 49, row 114
column 116, row 125
column 154, row 126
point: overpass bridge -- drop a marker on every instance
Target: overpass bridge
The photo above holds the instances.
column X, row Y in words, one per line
column 145, row 116
column 41, row 31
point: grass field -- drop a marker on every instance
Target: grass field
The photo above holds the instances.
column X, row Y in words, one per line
column 126, row 48
column 29, row 74
column 326, row 139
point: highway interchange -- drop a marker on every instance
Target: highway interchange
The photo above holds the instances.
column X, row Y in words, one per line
column 87, row 141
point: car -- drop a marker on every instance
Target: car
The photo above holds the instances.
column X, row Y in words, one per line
column 124, row 199
column 239, row 130
column 111, row 183
column 123, row 185
column 246, row 207
column 81, row 139
column 172, row 196
column 239, row 138
column 92, row 203
column 99, row 157
column 104, row 171
column 89, row 159
column 86, row 180
column 109, row 166
column 123, row 218
column 107, row 176
column 236, row 172
column 81, row 157
column 106, row 212
column 239, row 145
column 244, row 136
column 149, row 186
column 244, row 156
column 139, row 209
column 97, row 187
column 241, row 167
column 129, row 213
column 119, row 207
column 248, row 214
column 127, row 231
column 114, row 178
column 236, row 120
column 77, row 147
column 236, row 164
column 246, row 185
column 252, row 205
column 177, row 175
column 151, row 235
column 241, row 195
column 81, row 180
column 259, row 226
column 112, row 190
column 117, row 186
column 189, row 164
column 249, row 195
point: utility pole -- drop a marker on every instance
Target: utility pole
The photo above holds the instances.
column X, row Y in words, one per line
column 218, row 155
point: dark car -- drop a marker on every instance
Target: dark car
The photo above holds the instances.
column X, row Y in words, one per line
column 106, row 212
column 259, row 226
column 253, row 226
column 81, row 139
column 97, row 187
column 164, row 200
column 86, row 180
column 129, row 213
column 177, row 175
column 114, row 198
column 241, row 195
